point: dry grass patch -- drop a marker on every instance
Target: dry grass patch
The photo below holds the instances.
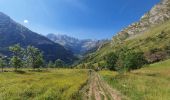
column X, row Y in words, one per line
column 56, row 84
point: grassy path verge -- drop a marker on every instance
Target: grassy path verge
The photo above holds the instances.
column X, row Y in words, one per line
column 151, row 82
column 97, row 89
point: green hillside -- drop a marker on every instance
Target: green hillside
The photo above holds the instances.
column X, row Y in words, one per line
column 154, row 42
column 148, row 83
column 12, row 33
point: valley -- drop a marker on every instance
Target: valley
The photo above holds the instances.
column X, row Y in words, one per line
column 132, row 65
column 149, row 83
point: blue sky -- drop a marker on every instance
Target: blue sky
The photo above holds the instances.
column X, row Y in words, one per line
column 95, row 19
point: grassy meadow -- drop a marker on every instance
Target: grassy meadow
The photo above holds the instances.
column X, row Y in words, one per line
column 54, row 84
column 149, row 83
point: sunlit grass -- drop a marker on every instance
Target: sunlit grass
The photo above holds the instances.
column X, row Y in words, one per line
column 149, row 83
column 56, row 84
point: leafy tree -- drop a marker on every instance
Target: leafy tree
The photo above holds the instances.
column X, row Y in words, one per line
column 2, row 64
column 125, row 59
column 83, row 66
column 59, row 63
column 16, row 50
column 34, row 57
column 89, row 66
column 111, row 60
column 121, row 56
column 16, row 62
column 39, row 61
column 129, row 59
column 17, row 57
column 50, row 64
column 133, row 60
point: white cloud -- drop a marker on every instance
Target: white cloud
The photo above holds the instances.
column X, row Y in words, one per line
column 26, row 21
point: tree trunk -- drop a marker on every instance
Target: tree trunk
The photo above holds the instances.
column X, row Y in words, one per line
column 2, row 69
column 16, row 68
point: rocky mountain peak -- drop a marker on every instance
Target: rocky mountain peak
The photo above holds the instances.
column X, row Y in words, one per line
column 158, row 14
column 75, row 45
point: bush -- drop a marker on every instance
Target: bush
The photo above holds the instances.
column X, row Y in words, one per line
column 111, row 60
column 59, row 63
column 133, row 60
column 125, row 60
column 155, row 55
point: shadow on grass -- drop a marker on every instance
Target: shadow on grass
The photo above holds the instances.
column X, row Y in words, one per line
column 20, row 72
column 148, row 74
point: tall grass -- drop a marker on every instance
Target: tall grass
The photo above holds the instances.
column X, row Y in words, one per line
column 149, row 83
column 61, row 84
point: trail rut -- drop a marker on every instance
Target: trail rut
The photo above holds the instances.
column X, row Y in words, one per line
column 97, row 89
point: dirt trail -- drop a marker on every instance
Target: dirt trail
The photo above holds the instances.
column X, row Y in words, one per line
column 97, row 89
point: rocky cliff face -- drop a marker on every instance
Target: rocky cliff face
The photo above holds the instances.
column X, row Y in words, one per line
column 158, row 14
column 75, row 45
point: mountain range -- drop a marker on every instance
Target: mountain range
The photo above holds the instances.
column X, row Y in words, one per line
column 150, row 35
column 75, row 45
column 12, row 33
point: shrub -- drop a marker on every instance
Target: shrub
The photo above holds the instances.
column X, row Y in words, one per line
column 59, row 63
column 50, row 64
column 125, row 60
column 155, row 57
column 133, row 60
column 111, row 60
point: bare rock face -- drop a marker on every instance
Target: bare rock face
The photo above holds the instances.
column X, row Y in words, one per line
column 75, row 45
column 158, row 14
